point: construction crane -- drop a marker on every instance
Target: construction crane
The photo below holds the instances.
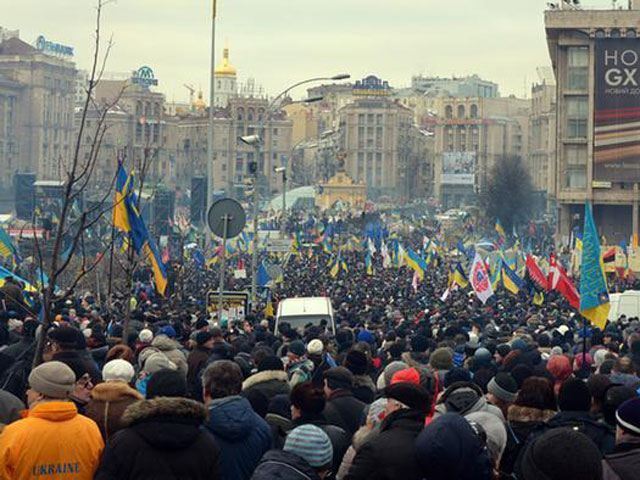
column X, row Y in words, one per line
column 192, row 91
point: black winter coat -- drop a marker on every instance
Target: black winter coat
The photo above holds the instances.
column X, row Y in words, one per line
column 80, row 360
column 269, row 382
column 623, row 463
column 277, row 464
column 163, row 440
column 390, row 454
column 340, row 440
column 344, row 410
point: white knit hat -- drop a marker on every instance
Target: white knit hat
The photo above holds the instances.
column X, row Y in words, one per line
column 118, row 370
column 145, row 335
column 315, row 347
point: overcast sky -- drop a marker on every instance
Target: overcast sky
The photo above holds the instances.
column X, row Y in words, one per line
column 278, row 42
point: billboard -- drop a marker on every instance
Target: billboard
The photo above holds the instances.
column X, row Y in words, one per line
column 616, row 136
column 458, row 168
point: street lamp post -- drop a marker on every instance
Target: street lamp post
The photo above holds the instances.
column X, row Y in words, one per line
column 256, row 142
column 211, row 116
column 283, row 216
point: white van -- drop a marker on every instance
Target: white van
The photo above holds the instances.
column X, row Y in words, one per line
column 301, row 311
column 625, row 303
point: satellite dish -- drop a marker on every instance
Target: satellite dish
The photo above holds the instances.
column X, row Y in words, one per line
column 226, row 218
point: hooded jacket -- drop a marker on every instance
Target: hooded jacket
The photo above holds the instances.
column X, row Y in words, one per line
column 269, row 382
column 281, row 465
column 163, row 440
column 52, row 440
column 109, row 400
column 390, row 454
column 242, row 435
column 171, row 350
column 465, row 398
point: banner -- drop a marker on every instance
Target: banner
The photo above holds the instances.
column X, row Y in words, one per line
column 480, row 280
column 616, row 136
column 458, row 168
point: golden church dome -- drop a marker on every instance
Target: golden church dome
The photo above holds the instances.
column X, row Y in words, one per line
column 225, row 68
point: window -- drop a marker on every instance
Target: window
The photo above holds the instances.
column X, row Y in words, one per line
column 378, row 119
column 448, row 111
column 577, row 68
column 460, row 111
column 576, row 166
column 370, row 118
column 577, row 109
column 360, row 118
column 474, row 111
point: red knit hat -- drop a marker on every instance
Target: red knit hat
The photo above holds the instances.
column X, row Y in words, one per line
column 408, row 375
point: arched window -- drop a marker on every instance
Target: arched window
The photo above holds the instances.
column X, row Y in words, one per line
column 474, row 111
column 250, row 114
column 240, row 113
column 448, row 111
column 460, row 111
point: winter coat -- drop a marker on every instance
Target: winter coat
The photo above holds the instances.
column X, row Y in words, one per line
column 521, row 422
column 300, row 372
column 10, row 407
column 277, row 464
column 325, row 364
column 364, row 389
column 364, row 434
column 601, row 434
column 52, row 440
column 108, row 402
column 465, row 398
column 270, row 383
column 624, row 462
column 164, row 439
column 280, row 427
column 242, row 435
column 171, row 349
column 79, row 360
column 344, row 410
column 196, row 362
column 391, row 454
column 340, row 440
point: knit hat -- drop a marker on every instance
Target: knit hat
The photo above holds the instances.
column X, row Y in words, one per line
column 118, row 370
column 450, row 448
column 297, row 347
column 311, row 444
column 441, row 359
column 408, row 375
column 377, row 411
column 145, row 335
column 600, row 356
column 158, row 361
column 574, row 396
column 503, row 387
column 456, row 374
column 366, row 336
column 495, row 430
column 270, row 362
column 356, row 362
column 315, row 347
column 561, row 453
column 53, row 380
column 503, row 349
column 628, row 416
column 388, row 373
column 413, row 396
column 519, row 344
column 203, row 337
column 339, row 377
column 167, row 383
column 168, row 331
column 201, row 323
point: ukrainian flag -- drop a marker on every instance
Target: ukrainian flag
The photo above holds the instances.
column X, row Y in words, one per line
column 510, row 279
column 500, row 229
column 369, row 263
column 123, row 191
column 459, row 277
column 416, row 263
column 335, row 268
column 7, row 248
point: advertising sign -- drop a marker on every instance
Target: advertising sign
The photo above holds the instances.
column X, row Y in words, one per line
column 144, row 76
column 53, row 48
column 458, row 168
column 234, row 305
column 616, row 136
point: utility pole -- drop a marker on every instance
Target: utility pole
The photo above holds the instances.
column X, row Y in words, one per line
column 211, row 116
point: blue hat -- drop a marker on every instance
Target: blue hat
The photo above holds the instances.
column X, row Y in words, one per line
column 168, row 330
column 366, row 336
column 311, row 444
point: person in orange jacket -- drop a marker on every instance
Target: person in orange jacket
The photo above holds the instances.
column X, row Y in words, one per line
column 53, row 441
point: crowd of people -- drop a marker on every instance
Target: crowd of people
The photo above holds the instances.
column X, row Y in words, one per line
column 411, row 386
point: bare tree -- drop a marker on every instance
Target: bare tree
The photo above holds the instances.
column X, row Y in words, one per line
column 78, row 174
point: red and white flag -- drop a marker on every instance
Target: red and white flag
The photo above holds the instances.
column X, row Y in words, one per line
column 480, row 280
column 559, row 281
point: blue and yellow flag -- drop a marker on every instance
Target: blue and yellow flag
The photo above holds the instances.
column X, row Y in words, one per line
column 594, row 295
column 500, row 229
column 416, row 263
column 369, row 263
column 459, row 277
column 7, row 248
column 510, row 279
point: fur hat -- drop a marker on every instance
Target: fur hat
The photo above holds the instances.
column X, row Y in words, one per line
column 413, row 396
column 441, row 359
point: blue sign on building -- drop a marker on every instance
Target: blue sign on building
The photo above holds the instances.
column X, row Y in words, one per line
column 371, row 85
column 53, row 48
column 144, row 76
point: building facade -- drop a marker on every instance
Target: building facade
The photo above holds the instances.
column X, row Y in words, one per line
column 44, row 125
column 593, row 53
column 469, row 86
